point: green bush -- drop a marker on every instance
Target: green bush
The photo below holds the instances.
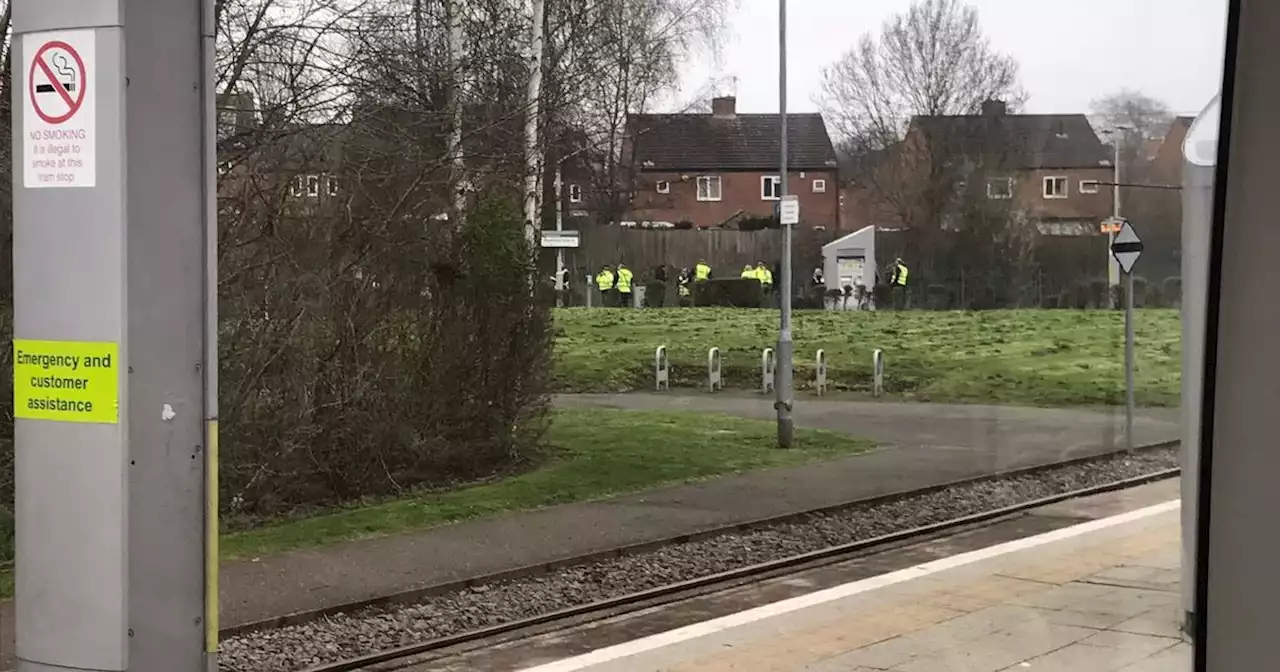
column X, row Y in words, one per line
column 6, row 535
column 728, row 293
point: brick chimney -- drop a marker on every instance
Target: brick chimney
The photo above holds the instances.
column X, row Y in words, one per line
column 724, row 107
column 994, row 108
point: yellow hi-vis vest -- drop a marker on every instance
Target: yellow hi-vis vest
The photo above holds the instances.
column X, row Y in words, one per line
column 624, row 280
column 604, row 280
column 765, row 275
column 702, row 272
column 901, row 279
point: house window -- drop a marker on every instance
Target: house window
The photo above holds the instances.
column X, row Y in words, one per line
column 664, row 187
column 331, row 183
column 1088, row 186
column 1000, row 188
column 1055, row 187
column 299, row 186
column 709, row 188
column 313, row 185
column 575, row 193
column 770, row 188
column 819, row 186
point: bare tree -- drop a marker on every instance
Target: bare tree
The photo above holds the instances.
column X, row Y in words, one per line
column 1132, row 111
column 932, row 59
column 891, row 100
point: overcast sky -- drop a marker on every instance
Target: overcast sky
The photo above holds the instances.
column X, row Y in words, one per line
column 1070, row 52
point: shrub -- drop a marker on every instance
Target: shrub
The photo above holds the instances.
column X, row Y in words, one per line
column 346, row 389
column 728, row 292
column 655, row 294
column 938, row 297
column 752, row 223
column 1173, row 290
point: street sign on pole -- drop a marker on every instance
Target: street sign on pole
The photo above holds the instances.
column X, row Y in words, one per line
column 789, row 210
column 1126, row 247
column 560, row 239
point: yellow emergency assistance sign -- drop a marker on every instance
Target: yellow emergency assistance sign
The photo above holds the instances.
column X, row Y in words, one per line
column 66, row 381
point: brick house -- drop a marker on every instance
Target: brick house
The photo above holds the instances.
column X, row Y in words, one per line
column 717, row 169
column 1046, row 166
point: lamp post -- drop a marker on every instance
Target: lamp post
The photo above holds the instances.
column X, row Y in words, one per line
column 783, row 373
column 1116, row 134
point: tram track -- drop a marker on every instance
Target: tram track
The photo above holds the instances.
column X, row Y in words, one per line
column 377, row 657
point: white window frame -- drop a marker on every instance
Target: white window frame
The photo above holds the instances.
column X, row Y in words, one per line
column 331, row 185
column 1055, row 194
column 704, row 188
column 819, row 186
column 313, row 186
column 996, row 196
column 766, row 180
column 663, row 186
column 1088, row 186
column 575, row 193
column 298, row 186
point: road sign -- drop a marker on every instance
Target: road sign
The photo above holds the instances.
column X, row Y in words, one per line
column 1126, row 247
column 1112, row 224
column 59, row 135
column 789, row 210
column 560, row 239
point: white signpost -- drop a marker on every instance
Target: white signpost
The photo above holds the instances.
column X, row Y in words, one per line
column 1126, row 247
column 789, row 210
column 560, row 239
column 59, row 143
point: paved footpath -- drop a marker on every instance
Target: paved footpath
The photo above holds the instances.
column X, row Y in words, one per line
column 921, row 445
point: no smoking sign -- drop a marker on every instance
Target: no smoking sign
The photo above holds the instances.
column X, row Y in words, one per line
column 59, row 143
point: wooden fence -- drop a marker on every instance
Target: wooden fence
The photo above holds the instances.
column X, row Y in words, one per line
column 725, row 250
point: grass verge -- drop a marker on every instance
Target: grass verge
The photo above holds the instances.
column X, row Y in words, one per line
column 1027, row 357
column 597, row 452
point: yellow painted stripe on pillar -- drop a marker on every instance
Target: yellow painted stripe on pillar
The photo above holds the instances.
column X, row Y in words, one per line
column 211, row 538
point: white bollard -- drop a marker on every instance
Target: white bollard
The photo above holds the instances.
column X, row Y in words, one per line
column 661, row 369
column 820, row 373
column 590, row 289
column 877, row 367
column 767, row 364
column 714, row 381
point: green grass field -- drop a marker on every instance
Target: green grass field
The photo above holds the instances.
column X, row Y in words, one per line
column 1029, row 357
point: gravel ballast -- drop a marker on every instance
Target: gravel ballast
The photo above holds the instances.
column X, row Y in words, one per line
column 361, row 633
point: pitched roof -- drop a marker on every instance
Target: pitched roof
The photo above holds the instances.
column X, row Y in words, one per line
column 1026, row 141
column 739, row 142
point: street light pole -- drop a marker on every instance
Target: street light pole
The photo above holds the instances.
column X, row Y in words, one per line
column 783, row 372
column 1113, row 267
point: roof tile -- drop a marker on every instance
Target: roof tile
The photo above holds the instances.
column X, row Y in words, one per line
column 740, row 142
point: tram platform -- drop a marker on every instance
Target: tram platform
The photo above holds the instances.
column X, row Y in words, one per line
column 1101, row 596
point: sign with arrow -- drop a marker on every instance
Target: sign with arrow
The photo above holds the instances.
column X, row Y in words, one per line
column 1126, row 247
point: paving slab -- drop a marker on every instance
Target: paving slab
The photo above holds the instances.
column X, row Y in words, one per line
column 921, row 445
column 900, row 627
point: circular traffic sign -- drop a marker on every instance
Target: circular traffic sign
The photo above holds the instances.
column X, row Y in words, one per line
column 42, row 69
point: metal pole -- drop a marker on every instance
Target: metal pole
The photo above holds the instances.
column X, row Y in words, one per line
column 1113, row 266
column 1128, row 361
column 783, row 371
column 559, row 227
